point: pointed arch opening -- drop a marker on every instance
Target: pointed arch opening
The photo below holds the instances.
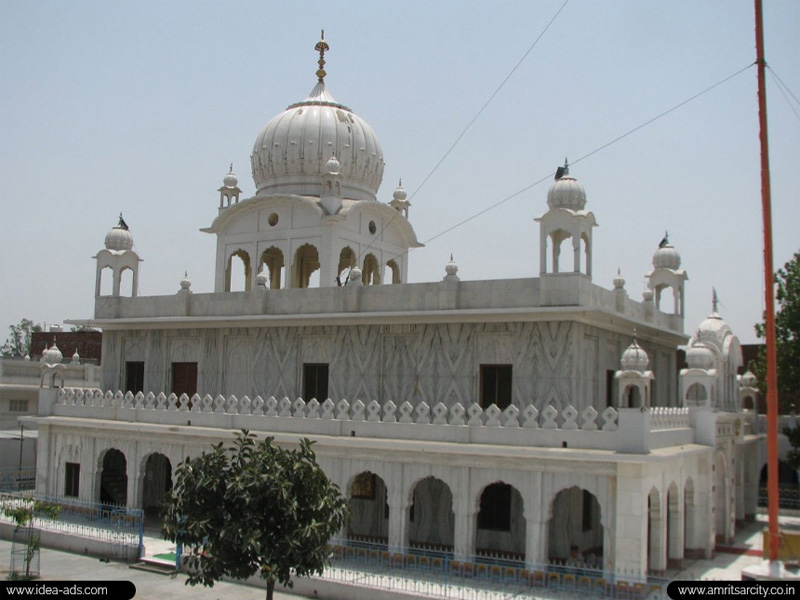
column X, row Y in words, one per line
column 501, row 522
column 557, row 239
column 369, row 509
column 633, row 396
column 238, row 273
column 371, row 271
column 113, row 480
column 656, row 525
column 431, row 521
column 272, row 260
column 675, row 528
column 721, row 506
column 394, row 268
column 586, row 241
column 127, row 282
column 696, row 395
column 106, row 282
column 575, row 529
column 347, row 260
column 156, row 483
column 692, row 545
column 306, row 263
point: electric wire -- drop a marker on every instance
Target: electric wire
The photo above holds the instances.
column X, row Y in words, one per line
column 784, row 92
column 469, row 125
column 585, row 156
column 780, row 81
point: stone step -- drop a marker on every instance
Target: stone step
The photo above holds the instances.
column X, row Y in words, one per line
column 154, row 566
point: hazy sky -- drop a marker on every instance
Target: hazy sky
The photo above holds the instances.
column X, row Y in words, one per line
column 140, row 107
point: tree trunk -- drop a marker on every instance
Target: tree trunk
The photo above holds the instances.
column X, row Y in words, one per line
column 270, row 588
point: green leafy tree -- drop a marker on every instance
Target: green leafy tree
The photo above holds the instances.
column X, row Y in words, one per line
column 253, row 508
column 787, row 329
column 19, row 338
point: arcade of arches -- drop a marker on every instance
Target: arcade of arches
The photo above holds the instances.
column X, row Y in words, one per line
column 239, row 269
column 499, row 518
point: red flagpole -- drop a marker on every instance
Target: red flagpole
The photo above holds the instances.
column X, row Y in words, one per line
column 769, row 298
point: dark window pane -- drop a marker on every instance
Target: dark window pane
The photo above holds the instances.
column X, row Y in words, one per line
column 184, row 378
column 495, row 386
column 134, row 376
column 315, row 381
column 72, row 476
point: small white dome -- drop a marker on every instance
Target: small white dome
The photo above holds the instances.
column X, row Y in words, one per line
column 52, row 355
column 451, row 268
column 230, row 180
column 186, row 283
column 667, row 257
column 713, row 328
column 700, row 356
column 634, row 358
column 566, row 192
column 619, row 281
column 119, row 239
column 749, row 380
column 332, row 166
column 261, row 279
column 399, row 192
column 76, row 358
column 647, row 295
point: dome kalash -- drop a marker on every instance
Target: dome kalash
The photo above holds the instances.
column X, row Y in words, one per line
column 290, row 154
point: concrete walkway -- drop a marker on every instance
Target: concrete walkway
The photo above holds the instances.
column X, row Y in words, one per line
column 744, row 551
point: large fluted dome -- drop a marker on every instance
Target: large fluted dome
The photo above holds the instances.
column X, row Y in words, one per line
column 290, row 154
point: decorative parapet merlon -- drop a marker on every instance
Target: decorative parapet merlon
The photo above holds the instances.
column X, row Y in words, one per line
column 472, row 424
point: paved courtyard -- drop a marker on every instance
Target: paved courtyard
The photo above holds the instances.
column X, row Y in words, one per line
column 55, row 565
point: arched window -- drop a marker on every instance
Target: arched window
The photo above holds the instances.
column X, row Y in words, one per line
column 371, row 271
column 557, row 239
column 369, row 509
column 347, row 260
column 106, row 281
column 306, row 262
column 114, row 478
column 430, row 516
column 395, row 269
column 238, row 272
column 272, row 259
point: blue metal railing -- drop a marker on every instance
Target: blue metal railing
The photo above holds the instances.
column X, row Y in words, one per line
column 439, row 573
column 119, row 525
column 15, row 479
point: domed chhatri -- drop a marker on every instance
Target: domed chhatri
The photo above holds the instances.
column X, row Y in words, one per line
column 333, row 165
column 666, row 256
column 400, row 192
column 749, row 380
column 714, row 327
column 291, row 152
column 119, row 237
column 634, row 358
column 566, row 191
column 230, row 180
column 52, row 355
column 700, row 356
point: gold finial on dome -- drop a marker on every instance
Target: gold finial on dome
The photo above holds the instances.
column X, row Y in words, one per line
column 322, row 47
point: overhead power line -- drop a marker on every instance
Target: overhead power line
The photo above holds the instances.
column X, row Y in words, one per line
column 472, row 121
column 587, row 155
